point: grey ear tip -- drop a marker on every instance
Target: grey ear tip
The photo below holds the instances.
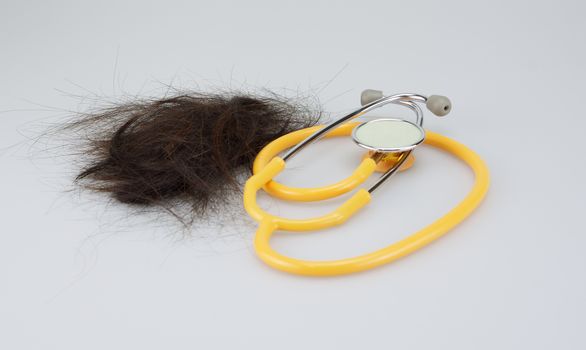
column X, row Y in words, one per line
column 439, row 105
column 369, row 95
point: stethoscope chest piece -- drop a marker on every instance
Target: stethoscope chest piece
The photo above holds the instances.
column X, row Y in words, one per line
column 388, row 135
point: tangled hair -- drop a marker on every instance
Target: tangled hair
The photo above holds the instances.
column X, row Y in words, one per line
column 191, row 148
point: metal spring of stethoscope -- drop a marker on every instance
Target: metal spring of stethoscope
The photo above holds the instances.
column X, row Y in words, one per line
column 373, row 99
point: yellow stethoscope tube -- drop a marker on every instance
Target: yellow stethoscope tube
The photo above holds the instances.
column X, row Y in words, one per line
column 267, row 165
column 298, row 194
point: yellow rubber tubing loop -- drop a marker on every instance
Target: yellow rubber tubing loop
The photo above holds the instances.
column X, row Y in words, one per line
column 364, row 170
column 269, row 223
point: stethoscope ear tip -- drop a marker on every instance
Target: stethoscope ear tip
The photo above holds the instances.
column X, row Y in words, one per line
column 439, row 105
column 369, row 95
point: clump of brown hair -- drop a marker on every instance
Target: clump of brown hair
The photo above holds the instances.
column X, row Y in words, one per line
column 190, row 148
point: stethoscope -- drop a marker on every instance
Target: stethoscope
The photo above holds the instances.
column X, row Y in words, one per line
column 390, row 143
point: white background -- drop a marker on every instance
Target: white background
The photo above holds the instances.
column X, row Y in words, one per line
column 80, row 272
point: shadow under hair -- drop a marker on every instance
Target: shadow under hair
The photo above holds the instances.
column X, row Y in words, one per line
column 191, row 148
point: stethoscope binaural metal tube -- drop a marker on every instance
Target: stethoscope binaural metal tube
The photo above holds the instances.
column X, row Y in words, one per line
column 406, row 99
